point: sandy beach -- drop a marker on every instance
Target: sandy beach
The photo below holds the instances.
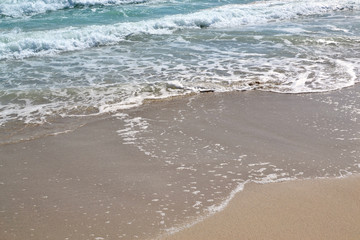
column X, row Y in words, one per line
column 308, row 209
column 167, row 163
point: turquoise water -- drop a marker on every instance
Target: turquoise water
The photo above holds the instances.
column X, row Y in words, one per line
column 88, row 57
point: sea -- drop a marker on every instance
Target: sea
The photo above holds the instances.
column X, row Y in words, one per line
column 77, row 58
column 86, row 71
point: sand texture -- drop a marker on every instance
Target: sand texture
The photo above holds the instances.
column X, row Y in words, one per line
column 137, row 174
column 309, row 209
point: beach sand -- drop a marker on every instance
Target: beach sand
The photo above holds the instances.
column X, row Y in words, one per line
column 309, row 209
column 166, row 163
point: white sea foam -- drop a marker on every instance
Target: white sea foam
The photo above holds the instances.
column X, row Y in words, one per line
column 319, row 63
column 76, row 102
column 267, row 74
column 230, row 16
column 17, row 44
column 19, row 8
column 210, row 211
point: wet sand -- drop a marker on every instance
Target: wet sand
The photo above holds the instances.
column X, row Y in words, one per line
column 309, row 209
column 166, row 163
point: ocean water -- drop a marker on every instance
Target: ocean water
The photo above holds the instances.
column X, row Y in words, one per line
column 64, row 62
column 76, row 58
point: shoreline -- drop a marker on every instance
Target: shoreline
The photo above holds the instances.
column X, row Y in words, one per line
column 81, row 120
column 167, row 162
column 327, row 208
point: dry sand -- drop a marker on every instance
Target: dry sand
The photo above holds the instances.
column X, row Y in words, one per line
column 309, row 209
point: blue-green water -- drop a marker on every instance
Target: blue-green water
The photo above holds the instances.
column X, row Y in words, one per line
column 88, row 57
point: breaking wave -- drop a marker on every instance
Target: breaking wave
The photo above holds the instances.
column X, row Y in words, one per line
column 19, row 44
column 16, row 8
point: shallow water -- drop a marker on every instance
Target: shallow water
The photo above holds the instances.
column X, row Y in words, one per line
column 89, row 57
column 159, row 167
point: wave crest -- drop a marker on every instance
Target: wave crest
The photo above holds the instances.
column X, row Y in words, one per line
column 17, row 44
column 15, row 9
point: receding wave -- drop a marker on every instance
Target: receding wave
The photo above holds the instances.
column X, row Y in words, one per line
column 18, row 44
column 276, row 75
column 16, row 8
